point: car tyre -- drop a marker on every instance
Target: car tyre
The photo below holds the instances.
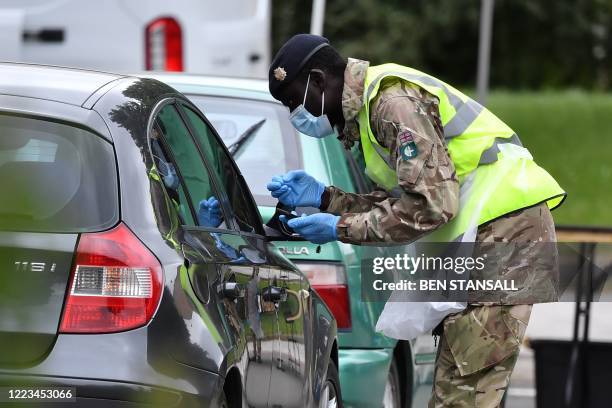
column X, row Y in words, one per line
column 393, row 393
column 331, row 397
column 223, row 401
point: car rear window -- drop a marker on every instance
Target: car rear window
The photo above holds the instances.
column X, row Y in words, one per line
column 55, row 177
column 272, row 149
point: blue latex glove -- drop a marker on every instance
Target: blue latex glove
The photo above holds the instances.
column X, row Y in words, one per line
column 169, row 175
column 227, row 249
column 297, row 189
column 209, row 213
column 317, row 228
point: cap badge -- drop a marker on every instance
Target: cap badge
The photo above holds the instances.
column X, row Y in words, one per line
column 280, row 74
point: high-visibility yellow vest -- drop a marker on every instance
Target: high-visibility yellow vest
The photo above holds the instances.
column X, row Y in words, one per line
column 497, row 175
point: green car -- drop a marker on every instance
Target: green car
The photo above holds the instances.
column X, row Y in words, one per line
column 375, row 371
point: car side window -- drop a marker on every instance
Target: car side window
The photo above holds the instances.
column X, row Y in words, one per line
column 197, row 196
column 166, row 169
column 222, row 165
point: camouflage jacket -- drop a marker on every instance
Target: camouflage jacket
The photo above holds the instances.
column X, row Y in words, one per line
column 430, row 188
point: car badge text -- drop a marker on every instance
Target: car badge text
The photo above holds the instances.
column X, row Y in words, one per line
column 24, row 266
column 294, row 250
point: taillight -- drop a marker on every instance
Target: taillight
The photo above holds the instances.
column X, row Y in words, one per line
column 164, row 45
column 116, row 284
column 329, row 281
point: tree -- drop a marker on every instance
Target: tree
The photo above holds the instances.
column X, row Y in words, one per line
column 536, row 43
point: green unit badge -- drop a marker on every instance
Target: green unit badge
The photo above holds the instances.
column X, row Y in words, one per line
column 408, row 148
column 408, row 151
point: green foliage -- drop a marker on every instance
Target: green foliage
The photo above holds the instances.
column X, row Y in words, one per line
column 567, row 136
column 536, row 43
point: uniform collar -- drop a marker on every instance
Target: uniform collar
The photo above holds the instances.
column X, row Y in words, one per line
column 352, row 98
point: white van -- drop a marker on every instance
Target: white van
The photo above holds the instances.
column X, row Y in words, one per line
column 221, row 37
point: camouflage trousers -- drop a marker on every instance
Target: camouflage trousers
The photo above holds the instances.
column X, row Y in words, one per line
column 477, row 354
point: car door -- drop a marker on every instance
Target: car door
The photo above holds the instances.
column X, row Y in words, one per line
column 288, row 290
column 290, row 372
column 224, row 274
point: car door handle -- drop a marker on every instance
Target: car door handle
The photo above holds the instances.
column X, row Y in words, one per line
column 45, row 35
column 274, row 294
column 231, row 290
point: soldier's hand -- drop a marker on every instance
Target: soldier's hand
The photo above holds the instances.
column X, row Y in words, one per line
column 297, row 189
column 317, row 228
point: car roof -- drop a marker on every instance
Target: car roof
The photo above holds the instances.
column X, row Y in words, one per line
column 67, row 85
column 250, row 88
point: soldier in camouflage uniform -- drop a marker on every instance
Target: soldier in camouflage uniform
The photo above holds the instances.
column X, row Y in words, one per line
column 479, row 345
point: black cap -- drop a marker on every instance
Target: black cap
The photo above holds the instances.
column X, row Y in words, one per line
column 291, row 58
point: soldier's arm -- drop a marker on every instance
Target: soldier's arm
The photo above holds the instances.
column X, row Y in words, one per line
column 337, row 201
column 409, row 125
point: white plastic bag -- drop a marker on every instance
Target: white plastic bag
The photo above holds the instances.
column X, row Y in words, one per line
column 408, row 320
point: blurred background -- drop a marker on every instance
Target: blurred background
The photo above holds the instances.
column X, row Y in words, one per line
column 550, row 69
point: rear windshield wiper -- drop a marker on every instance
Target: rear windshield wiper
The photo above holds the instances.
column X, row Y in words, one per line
column 235, row 147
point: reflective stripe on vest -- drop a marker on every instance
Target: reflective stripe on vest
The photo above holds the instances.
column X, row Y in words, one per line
column 490, row 155
column 487, row 157
column 462, row 118
column 466, row 112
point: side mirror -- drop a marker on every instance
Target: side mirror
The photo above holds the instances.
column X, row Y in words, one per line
column 276, row 230
column 273, row 234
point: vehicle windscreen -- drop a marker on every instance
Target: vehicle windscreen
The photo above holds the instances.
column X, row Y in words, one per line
column 260, row 137
column 55, row 177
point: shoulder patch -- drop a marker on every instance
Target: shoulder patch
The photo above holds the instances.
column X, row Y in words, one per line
column 407, row 148
column 405, row 136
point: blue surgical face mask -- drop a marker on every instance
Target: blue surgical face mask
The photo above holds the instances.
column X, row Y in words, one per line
column 307, row 123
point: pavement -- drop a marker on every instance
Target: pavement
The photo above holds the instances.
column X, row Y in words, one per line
column 522, row 392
